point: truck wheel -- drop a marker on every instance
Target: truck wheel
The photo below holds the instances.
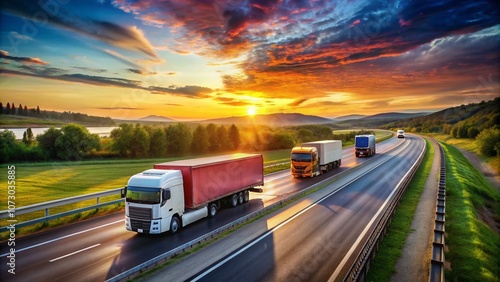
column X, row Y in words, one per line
column 234, row 200
column 212, row 209
column 246, row 196
column 357, row 155
column 241, row 200
column 175, row 224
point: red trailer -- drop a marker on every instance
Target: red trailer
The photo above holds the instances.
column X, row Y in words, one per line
column 210, row 179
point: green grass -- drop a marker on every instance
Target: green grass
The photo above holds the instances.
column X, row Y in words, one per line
column 473, row 247
column 21, row 121
column 383, row 266
column 470, row 145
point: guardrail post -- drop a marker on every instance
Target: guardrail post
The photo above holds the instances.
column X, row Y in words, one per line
column 47, row 212
column 98, row 202
column 437, row 260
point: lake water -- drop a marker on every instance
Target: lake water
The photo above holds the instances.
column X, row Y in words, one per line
column 101, row 131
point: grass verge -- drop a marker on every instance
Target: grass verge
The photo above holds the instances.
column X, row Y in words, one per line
column 472, row 245
column 383, row 266
column 470, row 145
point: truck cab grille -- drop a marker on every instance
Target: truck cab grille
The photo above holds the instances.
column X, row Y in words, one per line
column 140, row 213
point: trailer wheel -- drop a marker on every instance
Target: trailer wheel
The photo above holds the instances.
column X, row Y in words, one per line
column 175, row 224
column 246, row 196
column 241, row 200
column 234, row 200
column 212, row 209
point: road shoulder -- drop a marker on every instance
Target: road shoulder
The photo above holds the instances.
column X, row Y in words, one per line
column 414, row 263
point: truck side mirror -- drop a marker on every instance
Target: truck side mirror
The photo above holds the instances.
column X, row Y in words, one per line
column 123, row 192
column 165, row 195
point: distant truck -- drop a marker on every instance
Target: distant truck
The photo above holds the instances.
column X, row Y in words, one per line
column 364, row 145
column 175, row 194
column 314, row 158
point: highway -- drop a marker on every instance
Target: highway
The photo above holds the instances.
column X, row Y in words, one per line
column 320, row 242
column 101, row 248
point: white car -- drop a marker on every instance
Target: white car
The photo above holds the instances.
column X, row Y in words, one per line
column 401, row 133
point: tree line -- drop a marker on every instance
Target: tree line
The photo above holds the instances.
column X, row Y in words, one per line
column 20, row 110
column 478, row 121
column 75, row 142
column 174, row 140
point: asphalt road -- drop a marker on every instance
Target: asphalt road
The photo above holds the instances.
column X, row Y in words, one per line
column 321, row 242
column 101, row 248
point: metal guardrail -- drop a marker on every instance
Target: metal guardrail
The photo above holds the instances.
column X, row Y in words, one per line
column 57, row 203
column 437, row 260
column 360, row 267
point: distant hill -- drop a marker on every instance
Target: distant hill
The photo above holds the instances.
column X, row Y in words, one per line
column 280, row 119
column 348, row 117
column 379, row 119
column 395, row 116
column 480, row 115
column 156, row 118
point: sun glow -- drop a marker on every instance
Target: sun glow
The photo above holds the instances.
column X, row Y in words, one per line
column 251, row 111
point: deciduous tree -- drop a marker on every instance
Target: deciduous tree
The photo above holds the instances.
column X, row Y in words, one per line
column 47, row 141
column 234, row 135
column 28, row 138
column 200, row 143
column 75, row 142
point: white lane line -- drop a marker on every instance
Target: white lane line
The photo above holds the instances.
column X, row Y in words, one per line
column 272, row 230
column 74, row 253
column 63, row 237
column 369, row 225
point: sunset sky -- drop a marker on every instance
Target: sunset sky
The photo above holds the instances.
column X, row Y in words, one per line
column 205, row 59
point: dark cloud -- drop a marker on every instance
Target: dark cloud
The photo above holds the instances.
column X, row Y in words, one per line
column 129, row 38
column 190, row 91
column 27, row 60
column 140, row 71
column 96, row 70
column 121, row 108
column 232, row 101
column 298, row 102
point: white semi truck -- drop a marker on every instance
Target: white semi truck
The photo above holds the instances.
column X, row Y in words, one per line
column 175, row 194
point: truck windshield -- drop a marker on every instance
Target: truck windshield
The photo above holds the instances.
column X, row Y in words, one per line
column 362, row 142
column 143, row 195
column 301, row 157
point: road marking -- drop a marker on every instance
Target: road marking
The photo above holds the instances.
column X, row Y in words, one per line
column 369, row 225
column 64, row 237
column 74, row 253
column 269, row 232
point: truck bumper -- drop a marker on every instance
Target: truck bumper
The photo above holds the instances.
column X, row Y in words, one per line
column 143, row 226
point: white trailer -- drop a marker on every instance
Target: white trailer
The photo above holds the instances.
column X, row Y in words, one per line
column 329, row 153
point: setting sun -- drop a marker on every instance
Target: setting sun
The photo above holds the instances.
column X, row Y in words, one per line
column 251, row 110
